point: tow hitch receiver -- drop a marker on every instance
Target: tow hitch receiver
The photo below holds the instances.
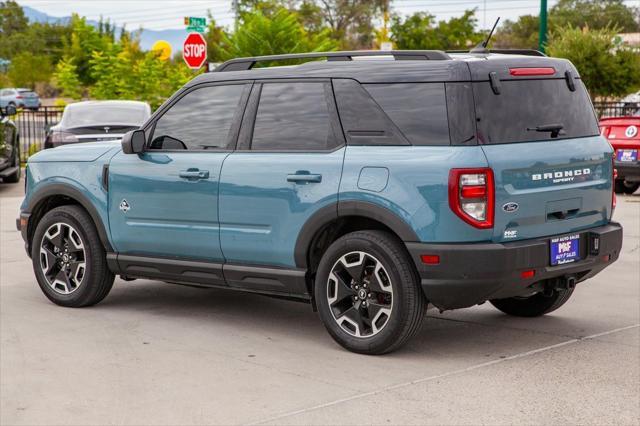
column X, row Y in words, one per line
column 563, row 283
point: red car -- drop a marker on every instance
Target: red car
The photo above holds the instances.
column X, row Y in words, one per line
column 624, row 135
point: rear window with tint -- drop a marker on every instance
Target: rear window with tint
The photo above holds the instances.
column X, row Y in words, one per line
column 524, row 105
column 418, row 109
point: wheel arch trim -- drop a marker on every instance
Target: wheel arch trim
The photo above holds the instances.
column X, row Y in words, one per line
column 75, row 194
column 332, row 212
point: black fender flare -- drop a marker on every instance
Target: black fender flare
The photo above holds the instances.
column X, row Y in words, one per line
column 333, row 211
column 71, row 192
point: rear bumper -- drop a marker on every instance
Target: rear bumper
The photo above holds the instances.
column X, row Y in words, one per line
column 469, row 274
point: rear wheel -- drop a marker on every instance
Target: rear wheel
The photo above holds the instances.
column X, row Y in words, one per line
column 619, row 186
column 68, row 258
column 533, row 306
column 630, row 187
column 368, row 293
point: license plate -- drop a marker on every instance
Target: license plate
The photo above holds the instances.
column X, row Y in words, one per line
column 565, row 249
column 627, row 155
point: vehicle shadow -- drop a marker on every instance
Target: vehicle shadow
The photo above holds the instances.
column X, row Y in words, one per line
column 478, row 333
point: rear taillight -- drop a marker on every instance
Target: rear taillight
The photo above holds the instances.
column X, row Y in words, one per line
column 19, row 97
column 472, row 196
column 59, row 138
column 524, row 72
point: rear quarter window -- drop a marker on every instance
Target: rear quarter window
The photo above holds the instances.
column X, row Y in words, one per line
column 419, row 110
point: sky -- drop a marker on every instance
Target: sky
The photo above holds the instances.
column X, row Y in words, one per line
column 165, row 14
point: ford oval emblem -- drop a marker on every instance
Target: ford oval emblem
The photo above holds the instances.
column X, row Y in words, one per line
column 510, row 207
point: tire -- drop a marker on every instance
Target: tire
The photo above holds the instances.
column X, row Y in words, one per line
column 630, row 187
column 533, row 306
column 619, row 186
column 392, row 311
column 90, row 280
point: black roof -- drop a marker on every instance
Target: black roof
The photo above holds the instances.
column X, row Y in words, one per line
column 453, row 67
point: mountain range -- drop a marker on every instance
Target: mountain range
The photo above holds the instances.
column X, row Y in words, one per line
column 147, row 37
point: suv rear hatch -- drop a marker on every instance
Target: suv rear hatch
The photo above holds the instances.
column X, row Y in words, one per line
column 539, row 132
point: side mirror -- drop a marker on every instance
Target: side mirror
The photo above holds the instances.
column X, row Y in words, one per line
column 133, row 142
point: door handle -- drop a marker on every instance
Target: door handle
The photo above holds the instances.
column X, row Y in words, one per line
column 194, row 174
column 304, row 177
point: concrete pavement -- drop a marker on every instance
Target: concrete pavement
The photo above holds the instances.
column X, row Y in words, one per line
column 154, row 353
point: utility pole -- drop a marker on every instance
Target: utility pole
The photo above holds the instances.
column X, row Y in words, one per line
column 234, row 6
column 542, row 36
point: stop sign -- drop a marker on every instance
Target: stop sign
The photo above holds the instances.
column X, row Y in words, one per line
column 194, row 50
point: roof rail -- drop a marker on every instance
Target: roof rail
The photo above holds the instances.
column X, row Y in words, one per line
column 243, row 64
column 526, row 52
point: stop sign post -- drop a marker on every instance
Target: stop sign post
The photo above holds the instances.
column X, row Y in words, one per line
column 194, row 51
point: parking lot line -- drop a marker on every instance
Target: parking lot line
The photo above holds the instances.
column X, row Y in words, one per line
column 444, row 375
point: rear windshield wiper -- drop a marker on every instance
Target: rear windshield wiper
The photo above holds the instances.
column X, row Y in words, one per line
column 555, row 129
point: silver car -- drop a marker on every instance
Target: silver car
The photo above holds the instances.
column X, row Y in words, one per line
column 19, row 98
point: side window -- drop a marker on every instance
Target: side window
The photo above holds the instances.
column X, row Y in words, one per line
column 201, row 119
column 363, row 120
column 293, row 116
column 418, row 109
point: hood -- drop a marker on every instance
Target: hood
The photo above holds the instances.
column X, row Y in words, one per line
column 82, row 152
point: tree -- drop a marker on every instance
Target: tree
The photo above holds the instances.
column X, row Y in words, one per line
column 521, row 34
column 12, row 18
column 607, row 70
column 596, row 14
column 420, row 31
column 351, row 22
column 280, row 33
column 66, row 79
column 27, row 69
column 79, row 47
column 215, row 36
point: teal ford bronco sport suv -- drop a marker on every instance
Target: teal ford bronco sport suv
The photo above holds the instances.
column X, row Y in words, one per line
column 367, row 185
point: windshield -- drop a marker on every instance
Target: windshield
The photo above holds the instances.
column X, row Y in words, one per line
column 533, row 110
column 100, row 115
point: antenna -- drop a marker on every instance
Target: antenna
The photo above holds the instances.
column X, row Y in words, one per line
column 482, row 46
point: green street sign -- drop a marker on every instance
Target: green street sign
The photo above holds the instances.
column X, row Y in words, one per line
column 195, row 24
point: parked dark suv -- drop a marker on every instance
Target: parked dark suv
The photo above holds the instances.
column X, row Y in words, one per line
column 9, row 146
column 368, row 187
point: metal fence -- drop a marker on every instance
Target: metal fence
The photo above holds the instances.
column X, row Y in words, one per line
column 616, row 109
column 33, row 125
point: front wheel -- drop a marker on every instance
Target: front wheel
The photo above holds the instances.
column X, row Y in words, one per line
column 368, row 293
column 533, row 306
column 68, row 258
